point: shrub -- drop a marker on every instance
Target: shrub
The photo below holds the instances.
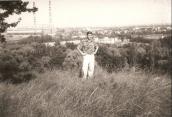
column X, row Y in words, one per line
column 58, row 55
column 144, row 56
column 71, row 46
column 72, row 61
column 14, row 68
column 110, row 58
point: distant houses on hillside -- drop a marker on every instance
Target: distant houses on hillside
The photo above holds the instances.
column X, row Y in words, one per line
column 105, row 40
column 20, row 33
column 116, row 35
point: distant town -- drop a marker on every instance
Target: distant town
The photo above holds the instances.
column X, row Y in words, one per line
column 108, row 35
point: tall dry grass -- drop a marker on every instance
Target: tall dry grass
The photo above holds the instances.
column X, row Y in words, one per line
column 64, row 94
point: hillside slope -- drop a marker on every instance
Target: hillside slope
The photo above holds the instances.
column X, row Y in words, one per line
column 63, row 94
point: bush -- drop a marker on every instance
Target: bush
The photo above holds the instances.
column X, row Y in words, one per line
column 72, row 61
column 14, row 68
column 110, row 58
column 71, row 46
column 144, row 56
column 58, row 55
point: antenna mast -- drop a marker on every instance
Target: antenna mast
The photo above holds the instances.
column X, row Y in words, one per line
column 50, row 17
column 34, row 21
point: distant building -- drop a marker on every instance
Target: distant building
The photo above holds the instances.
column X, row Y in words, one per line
column 106, row 40
column 50, row 44
column 72, row 41
column 17, row 34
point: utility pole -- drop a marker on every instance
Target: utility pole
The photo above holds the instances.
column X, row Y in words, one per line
column 34, row 16
column 50, row 18
column 34, row 22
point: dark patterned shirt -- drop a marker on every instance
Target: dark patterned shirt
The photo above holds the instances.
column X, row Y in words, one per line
column 88, row 46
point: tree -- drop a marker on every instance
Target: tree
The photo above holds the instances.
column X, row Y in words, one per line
column 12, row 7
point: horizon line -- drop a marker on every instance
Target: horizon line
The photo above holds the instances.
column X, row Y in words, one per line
column 130, row 25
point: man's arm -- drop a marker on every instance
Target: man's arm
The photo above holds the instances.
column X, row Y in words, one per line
column 97, row 47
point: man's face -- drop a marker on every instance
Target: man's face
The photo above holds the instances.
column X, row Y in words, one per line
column 90, row 36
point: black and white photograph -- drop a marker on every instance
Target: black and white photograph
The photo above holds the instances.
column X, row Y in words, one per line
column 85, row 58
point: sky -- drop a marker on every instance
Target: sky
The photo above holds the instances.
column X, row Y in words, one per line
column 98, row 13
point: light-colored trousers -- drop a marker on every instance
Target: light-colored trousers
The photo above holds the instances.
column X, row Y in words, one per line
column 88, row 66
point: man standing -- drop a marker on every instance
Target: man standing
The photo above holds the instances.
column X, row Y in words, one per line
column 88, row 48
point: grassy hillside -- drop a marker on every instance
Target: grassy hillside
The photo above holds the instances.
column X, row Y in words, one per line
column 64, row 94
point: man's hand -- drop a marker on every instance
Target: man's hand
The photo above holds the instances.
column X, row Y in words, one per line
column 96, row 50
column 83, row 54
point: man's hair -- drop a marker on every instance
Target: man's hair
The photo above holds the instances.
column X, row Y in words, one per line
column 89, row 32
